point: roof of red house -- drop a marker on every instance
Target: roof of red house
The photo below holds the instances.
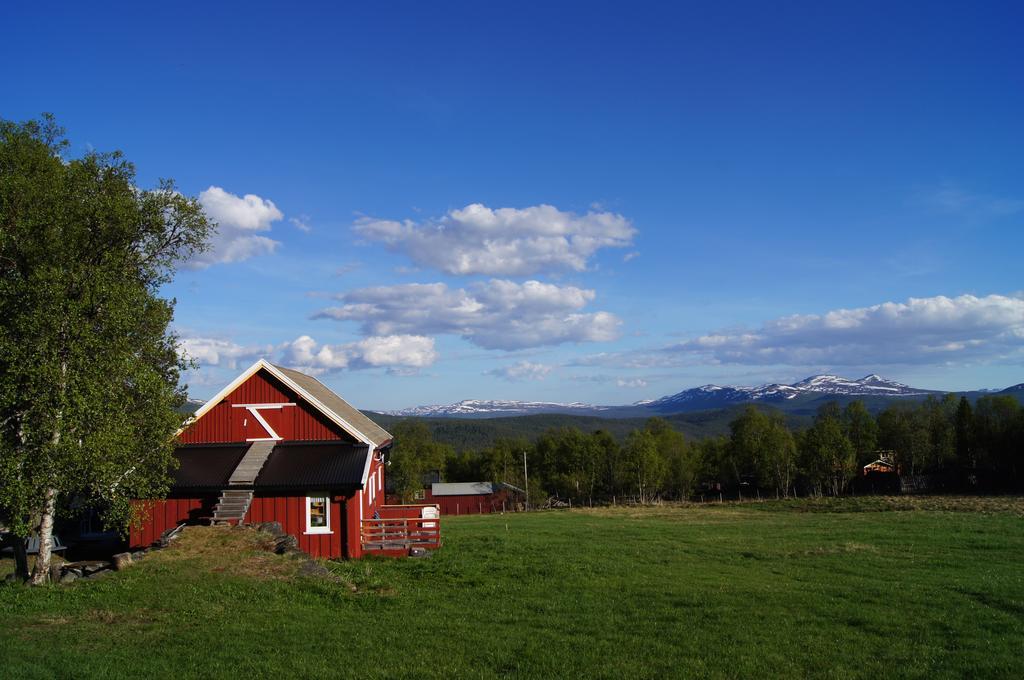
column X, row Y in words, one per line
column 315, row 393
column 374, row 432
column 461, row 489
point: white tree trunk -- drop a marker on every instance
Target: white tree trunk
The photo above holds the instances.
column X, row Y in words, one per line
column 41, row 571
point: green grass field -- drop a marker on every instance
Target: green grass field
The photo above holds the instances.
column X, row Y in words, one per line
column 866, row 587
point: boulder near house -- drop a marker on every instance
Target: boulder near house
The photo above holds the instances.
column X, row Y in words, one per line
column 276, row 445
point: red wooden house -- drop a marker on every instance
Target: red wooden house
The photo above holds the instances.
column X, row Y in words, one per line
column 277, row 445
column 471, row 498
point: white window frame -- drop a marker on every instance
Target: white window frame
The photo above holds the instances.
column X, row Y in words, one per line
column 309, row 502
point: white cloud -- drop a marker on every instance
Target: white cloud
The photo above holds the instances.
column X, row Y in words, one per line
column 919, row 331
column 392, row 351
column 306, row 354
column 523, row 370
column 496, row 314
column 503, row 241
column 218, row 352
column 631, row 382
column 632, row 255
column 239, row 218
column 413, row 351
column 249, row 212
column 301, row 223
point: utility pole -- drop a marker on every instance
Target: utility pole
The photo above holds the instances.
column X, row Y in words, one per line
column 526, row 478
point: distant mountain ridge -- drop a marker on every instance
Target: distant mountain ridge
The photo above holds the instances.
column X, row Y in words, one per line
column 717, row 396
column 801, row 398
column 705, row 397
column 468, row 408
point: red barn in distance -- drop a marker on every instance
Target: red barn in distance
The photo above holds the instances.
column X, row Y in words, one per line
column 277, row 445
column 471, row 498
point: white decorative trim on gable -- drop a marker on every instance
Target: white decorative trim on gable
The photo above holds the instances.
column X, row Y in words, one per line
column 263, row 364
column 254, row 410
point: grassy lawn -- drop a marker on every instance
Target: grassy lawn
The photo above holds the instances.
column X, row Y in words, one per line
column 864, row 587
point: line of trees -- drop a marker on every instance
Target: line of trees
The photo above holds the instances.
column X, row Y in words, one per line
column 949, row 441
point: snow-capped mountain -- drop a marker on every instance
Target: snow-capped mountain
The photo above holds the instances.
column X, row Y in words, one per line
column 869, row 384
column 716, row 396
column 469, row 408
column 701, row 398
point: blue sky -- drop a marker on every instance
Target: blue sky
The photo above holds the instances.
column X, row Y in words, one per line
column 597, row 202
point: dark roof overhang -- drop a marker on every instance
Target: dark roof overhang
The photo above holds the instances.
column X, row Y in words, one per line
column 314, row 465
column 205, row 466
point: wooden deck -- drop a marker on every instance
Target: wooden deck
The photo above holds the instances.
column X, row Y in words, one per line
column 396, row 536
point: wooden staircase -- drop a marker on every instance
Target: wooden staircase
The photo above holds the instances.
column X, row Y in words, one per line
column 234, row 501
column 231, row 506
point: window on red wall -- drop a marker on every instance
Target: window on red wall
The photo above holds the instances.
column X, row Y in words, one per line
column 318, row 514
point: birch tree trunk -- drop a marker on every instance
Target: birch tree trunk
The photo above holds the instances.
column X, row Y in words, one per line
column 41, row 571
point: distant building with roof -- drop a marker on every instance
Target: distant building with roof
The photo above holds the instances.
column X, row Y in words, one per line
column 471, row 498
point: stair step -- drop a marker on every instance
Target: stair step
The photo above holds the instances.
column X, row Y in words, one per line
column 232, row 505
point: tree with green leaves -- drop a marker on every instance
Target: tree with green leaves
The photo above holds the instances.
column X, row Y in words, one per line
column 776, row 463
column 89, row 371
column 762, row 446
column 828, row 458
column 746, row 438
column 645, row 464
column 964, row 433
column 561, row 460
column 611, row 474
column 503, row 461
column 681, row 461
column 415, row 453
column 862, row 431
column 998, row 436
column 713, row 453
column 904, row 430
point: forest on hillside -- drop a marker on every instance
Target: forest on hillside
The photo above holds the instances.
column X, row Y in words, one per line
column 947, row 442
